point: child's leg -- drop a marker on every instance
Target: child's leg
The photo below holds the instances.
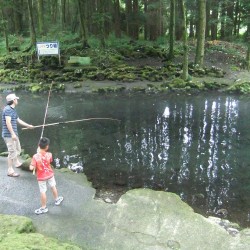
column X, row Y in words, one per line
column 43, row 189
column 43, row 199
column 54, row 192
column 58, row 199
column 52, row 183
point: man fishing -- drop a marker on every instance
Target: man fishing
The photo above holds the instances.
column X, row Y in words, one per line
column 10, row 133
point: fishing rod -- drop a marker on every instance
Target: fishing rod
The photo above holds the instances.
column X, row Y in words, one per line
column 46, row 110
column 72, row 121
column 44, row 119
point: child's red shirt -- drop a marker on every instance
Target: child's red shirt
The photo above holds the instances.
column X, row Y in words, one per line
column 42, row 162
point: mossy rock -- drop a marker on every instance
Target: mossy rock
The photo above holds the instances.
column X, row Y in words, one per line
column 33, row 241
column 15, row 224
column 35, row 88
column 177, row 83
column 211, row 85
column 4, row 154
column 26, row 164
column 77, row 85
column 196, row 85
column 242, row 88
column 18, row 232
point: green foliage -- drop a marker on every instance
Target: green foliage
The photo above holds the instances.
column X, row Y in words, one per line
column 242, row 88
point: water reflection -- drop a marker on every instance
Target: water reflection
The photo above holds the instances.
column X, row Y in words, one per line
column 195, row 146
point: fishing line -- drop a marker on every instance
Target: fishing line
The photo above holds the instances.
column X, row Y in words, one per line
column 46, row 110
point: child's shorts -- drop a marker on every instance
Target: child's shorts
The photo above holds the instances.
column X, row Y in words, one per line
column 43, row 184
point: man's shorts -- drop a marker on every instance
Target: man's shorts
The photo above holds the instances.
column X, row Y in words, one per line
column 43, row 184
column 14, row 147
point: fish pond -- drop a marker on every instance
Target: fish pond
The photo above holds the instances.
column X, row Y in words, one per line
column 197, row 146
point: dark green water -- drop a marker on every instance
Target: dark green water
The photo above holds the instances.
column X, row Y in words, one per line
column 197, row 146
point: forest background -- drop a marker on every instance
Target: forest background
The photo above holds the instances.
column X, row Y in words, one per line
column 114, row 31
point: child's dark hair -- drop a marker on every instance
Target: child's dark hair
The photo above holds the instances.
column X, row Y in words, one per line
column 44, row 142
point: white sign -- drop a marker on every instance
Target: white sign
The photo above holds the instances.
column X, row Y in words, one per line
column 47, row 48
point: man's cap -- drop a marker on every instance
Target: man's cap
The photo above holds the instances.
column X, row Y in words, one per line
column 11, row 97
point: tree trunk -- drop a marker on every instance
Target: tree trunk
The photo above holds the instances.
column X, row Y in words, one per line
column 5, row 31
column 172, row 29
column 40, row 17
column 83, row 25
column 178, row 21
column 153, row 20
column 18, row 15
column 214, row 23
column 101, row 23
column 146, row 28
column 199, row 57
column 31, row 22
column 135, row 22
column 208, row 18
column 185, row 41
column 248, row 42
column 248, row 56
column 54, row 8
column 230, row 19
column 129, row 17
column 223, row 20
column 236, row 18
column 117, row 17
column 63, row 13
column 192, row 24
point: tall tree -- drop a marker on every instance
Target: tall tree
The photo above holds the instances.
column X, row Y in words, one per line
column 17, row 11
column 101, row 22
column 248, row 47
column 3, row 25
column 179, row 21
column 63, row 13
column 199, row 57
column 223, row 19
column 185, row 40
column 117, row 18
column 146, row 26
column 237, row 17
column 172, row 29
column 214, row 19
column 83, row 26
column 246, row 19
column 32, row 26
column 40, row 17
column 229, row 19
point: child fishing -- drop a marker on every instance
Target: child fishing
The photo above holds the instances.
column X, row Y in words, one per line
column 41, row 163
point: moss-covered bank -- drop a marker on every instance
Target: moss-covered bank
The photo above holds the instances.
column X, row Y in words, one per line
column 146, row 65
column 18, row 232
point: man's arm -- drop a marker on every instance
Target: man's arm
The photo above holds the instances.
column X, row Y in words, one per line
column 9, row 126
column 21, row 122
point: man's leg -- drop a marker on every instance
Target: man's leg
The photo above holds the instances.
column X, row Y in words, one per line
column 17, row 148
column 11, row 156
column 10, row 166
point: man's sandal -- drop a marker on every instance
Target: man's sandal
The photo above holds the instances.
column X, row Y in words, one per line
column 13, row 174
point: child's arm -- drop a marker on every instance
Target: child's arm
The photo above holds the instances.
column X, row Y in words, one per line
column 32, row 167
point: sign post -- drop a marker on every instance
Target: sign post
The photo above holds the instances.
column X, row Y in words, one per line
column 48, row 49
